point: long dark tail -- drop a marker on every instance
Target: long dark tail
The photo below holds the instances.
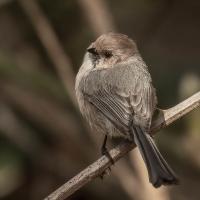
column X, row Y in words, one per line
column 159, row 171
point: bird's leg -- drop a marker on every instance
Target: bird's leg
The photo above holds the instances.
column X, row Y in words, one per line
column 103, row 147
column 104, row 151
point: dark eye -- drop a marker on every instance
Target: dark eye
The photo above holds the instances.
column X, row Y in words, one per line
column 108, row 54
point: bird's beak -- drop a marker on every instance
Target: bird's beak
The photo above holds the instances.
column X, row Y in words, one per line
column 91, row 50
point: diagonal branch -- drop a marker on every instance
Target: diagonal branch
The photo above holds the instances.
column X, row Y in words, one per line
column 94, row 170
column 165, row 118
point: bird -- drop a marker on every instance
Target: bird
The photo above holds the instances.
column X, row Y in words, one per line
column 116, row 95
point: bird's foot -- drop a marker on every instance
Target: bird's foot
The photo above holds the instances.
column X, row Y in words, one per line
column 105, row 152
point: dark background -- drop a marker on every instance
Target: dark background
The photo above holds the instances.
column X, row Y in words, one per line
column 43, row 139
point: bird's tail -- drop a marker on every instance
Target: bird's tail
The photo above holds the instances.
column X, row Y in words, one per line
column 159, row 171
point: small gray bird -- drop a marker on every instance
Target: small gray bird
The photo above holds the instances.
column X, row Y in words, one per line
column 115, row 94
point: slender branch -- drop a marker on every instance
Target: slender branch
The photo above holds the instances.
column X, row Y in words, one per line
column 165, row 118
column 170, row 115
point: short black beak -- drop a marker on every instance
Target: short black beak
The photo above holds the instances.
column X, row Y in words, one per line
column 92, row 50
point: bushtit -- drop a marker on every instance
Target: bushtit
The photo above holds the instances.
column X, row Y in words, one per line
column 115, row 94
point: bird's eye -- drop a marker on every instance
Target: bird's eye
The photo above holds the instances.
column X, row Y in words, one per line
column 108, row 54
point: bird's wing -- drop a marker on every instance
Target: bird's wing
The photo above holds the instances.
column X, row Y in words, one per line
column 123, row 98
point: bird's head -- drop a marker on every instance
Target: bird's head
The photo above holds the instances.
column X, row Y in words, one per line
column 110, row 49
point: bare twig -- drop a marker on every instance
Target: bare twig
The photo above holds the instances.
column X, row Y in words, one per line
column 53, row 47
column 97, row 168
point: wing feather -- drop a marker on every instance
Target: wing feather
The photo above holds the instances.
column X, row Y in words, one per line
column 121, row 105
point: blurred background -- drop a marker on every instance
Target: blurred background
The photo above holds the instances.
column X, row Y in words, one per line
column 43, row 139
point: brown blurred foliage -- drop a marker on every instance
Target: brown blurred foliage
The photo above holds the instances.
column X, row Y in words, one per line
column 43, row 139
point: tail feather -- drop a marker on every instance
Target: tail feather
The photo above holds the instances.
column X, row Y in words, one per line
column 159, row 171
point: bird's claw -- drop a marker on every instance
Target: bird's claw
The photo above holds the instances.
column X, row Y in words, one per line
column 106, row 153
